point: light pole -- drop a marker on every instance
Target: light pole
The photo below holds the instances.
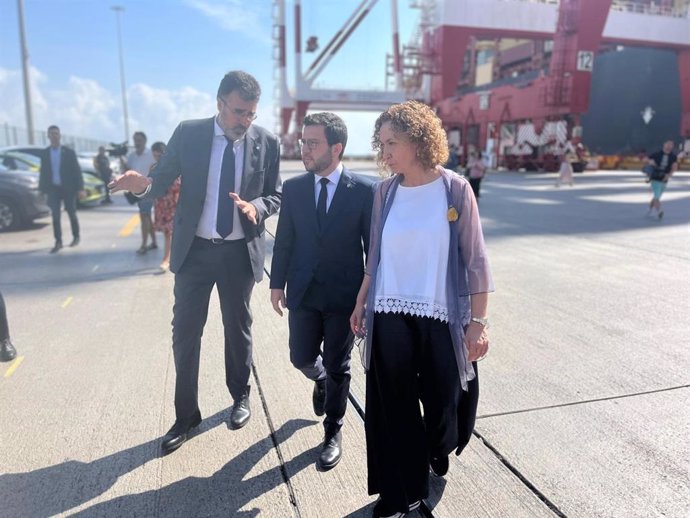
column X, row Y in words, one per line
column 25, row 72
column 118, row 10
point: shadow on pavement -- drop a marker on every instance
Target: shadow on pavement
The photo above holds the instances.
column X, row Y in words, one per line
column 59, row 488
column 36, row 269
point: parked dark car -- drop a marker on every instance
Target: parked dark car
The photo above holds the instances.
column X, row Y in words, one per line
column 20, row 200
column 94, row 188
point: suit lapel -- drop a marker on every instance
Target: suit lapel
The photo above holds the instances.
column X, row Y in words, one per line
column 251, row 159
column 202, row 149
column 49, row 164
column 340, row 198
column 308, row 202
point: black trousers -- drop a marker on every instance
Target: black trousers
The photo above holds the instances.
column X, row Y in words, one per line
column 228, row 267
column 312, row 323
column 105, row 178
column 57, row 196
column 476, row 184
column 412, row 360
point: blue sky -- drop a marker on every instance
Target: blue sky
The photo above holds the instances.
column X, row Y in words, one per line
column 175, row 52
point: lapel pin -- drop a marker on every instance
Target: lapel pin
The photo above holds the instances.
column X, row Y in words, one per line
column 452, row 214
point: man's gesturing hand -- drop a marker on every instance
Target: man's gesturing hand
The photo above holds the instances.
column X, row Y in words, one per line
column 245, row 207
column 130, row 181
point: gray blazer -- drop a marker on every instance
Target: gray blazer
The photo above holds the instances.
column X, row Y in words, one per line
column 188, row 155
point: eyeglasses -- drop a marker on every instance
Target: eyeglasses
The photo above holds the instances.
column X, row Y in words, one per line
column 311, row 144
column 242, row 114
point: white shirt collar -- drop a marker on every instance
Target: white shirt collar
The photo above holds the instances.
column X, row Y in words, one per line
column 333, row 176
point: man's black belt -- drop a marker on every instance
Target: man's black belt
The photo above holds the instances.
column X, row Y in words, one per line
column 217, row 241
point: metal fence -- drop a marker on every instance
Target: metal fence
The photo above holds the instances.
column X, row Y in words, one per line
column 15, row 136
column 672, row 8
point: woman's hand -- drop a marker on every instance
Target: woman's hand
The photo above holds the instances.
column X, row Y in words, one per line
column 476, row 341
column 357, row 320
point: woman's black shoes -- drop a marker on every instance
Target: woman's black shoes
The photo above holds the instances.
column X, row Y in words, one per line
column 439, row 465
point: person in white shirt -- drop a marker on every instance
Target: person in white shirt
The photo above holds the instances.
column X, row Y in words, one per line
column 422, row 307
column 229, row 184
column 320, row 242
column 141, row 160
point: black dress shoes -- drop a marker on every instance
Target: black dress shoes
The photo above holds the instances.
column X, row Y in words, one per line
column 383, row 509
column 75, row 241
column 7, row 351
column 240, row 413
column 57, row 247
column 179, row 433
column 331, row 451
column 318, row 397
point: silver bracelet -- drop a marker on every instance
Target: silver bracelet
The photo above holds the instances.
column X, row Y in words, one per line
column 142, row 194
column 484, row 322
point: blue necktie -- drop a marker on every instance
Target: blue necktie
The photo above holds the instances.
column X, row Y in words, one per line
column 226, row 185
column 321, row 204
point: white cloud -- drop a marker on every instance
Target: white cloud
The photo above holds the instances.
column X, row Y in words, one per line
column 86, row 109
column 157, row 111
column 234, row 16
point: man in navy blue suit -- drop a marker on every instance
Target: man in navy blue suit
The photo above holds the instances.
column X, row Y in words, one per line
column 322, row 235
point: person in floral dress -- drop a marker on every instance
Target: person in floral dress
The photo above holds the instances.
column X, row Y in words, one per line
column 164, row 209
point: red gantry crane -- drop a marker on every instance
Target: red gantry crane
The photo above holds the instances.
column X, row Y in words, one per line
column 540, row 114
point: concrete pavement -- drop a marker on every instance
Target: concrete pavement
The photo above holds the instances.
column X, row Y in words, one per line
column 584, row 404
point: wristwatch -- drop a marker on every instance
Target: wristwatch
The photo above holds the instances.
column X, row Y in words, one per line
column 145, row 192
column 484, row 322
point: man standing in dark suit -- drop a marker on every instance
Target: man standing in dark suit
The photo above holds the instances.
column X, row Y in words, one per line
column 61, row 181
column 323, row 232
column 230, row 185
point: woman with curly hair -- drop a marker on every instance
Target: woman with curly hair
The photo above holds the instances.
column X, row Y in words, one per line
column 423, row 308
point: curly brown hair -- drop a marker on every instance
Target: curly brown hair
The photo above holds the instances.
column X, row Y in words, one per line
column 420, row 125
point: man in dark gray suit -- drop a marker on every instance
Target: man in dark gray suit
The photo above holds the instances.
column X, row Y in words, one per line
column 230, row 185
column 61, row 181
column 323, row 232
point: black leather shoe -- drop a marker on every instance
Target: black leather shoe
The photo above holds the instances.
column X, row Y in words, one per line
column 318, row 397
column 7, row 351
column 179, row 433
column 439, row 465
column 75, row 241
column 383, row 510
column 331, row 451
column 240, row 413
column 57, row 247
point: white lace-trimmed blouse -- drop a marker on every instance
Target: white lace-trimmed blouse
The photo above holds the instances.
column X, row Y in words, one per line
column 412, row 275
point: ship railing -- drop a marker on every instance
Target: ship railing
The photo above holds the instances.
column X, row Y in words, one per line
column 677, row 9
column 673, row 10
